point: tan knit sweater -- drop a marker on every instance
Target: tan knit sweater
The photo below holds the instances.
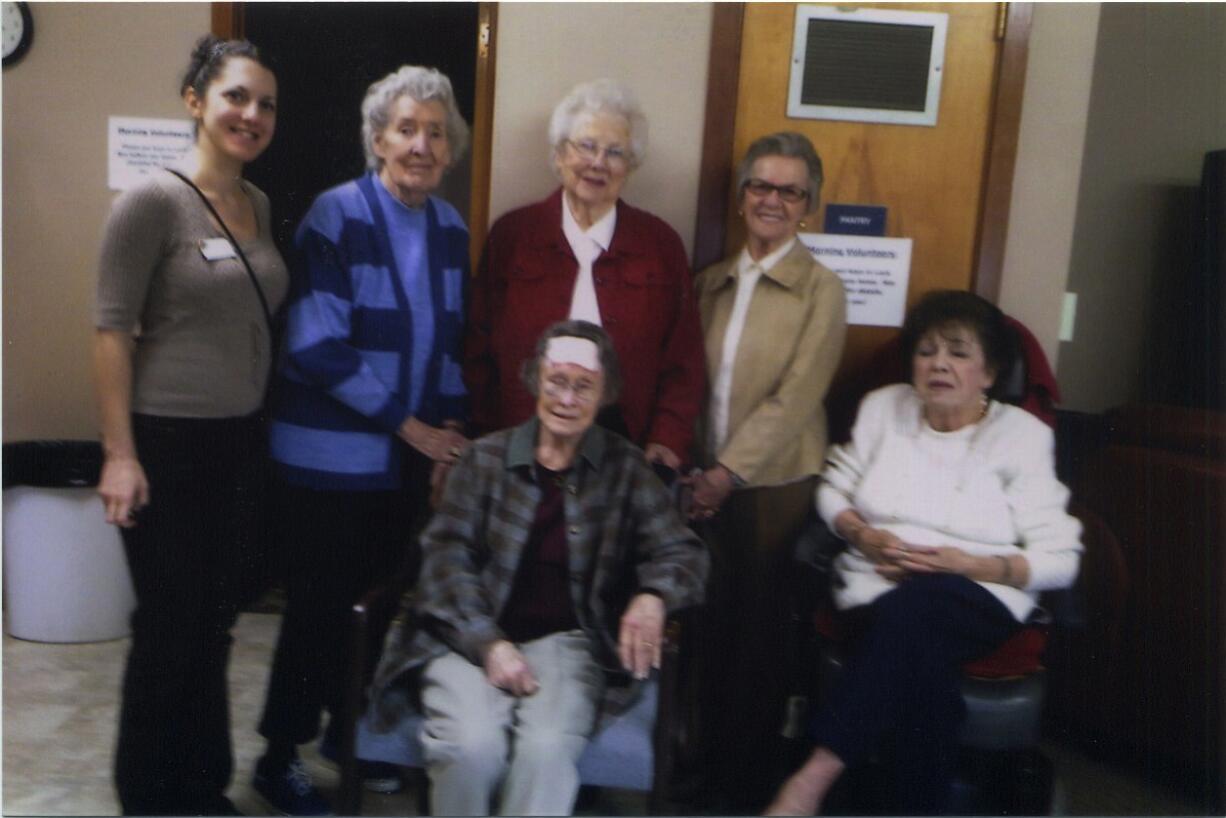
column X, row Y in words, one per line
column 202, row 345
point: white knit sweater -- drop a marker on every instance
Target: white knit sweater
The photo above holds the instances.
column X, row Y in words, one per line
column 988, row 488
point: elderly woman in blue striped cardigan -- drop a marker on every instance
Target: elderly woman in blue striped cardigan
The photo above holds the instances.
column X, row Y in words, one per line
column 369, row 401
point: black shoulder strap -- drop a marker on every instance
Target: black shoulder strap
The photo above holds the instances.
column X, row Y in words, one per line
column 259, row 291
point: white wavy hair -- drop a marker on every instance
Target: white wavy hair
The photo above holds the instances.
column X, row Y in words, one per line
column 422, row 85
column 603, row 96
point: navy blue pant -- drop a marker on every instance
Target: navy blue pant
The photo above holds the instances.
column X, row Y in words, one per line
column 903, row 675
column 337, row 545
column 194, row 557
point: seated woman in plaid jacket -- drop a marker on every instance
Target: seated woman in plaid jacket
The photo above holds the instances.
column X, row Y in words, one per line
column 554, row 558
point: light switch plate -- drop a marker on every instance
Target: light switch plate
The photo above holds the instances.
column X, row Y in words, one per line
column 1068, row 316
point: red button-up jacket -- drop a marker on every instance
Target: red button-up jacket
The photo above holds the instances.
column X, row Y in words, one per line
column 643, row 285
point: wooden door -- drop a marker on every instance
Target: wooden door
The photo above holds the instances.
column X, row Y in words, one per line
column 933, row 180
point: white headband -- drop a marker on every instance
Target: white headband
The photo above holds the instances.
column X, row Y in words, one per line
column 567, row 349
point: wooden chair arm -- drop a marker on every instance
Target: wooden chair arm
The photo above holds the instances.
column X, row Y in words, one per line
column 369, row 618
column 671, row 733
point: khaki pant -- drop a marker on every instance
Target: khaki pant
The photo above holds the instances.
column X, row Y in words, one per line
column 480, row 740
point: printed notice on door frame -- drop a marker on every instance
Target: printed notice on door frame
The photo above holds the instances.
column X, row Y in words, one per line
column 875, row 272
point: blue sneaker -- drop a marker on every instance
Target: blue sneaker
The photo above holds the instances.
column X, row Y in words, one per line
column 291, row 792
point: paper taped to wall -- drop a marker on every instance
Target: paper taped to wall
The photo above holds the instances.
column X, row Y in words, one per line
column 137, row 146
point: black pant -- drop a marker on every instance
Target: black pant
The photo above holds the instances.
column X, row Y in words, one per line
column 337, row 545
column 192, row 555
column 744, row 678
column 904, row 674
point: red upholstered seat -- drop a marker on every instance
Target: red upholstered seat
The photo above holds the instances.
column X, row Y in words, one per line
column 1020, row 655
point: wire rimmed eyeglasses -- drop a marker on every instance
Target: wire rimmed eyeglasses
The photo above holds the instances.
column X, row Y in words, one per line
column 590, row 151
column 581, row 391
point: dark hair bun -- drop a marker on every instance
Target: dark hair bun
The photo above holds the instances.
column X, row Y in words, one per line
column 204, row 47
column 208, row 56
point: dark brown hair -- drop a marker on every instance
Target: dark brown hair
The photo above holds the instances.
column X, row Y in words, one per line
column 959, row 308
column 209, row 57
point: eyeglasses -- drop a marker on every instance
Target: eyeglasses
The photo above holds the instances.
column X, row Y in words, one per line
column 583, row 391
column 590, row 151
column 788, row 193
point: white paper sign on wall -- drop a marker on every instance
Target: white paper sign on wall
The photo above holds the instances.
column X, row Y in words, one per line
column 136, row 146
column 874, row 270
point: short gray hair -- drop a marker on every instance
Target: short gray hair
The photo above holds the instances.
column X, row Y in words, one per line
column 421, row 85
column 531, row 373
column 599, row 97
column 784, row 143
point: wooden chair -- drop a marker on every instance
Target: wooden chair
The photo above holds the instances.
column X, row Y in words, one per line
column 634, row 750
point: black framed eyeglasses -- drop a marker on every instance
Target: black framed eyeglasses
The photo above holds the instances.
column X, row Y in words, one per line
column 788, row 193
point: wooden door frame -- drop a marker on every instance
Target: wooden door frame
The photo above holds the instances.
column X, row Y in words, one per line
column 229, row 22
column 723, row 78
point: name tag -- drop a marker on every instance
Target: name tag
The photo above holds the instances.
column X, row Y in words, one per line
column 217, row 249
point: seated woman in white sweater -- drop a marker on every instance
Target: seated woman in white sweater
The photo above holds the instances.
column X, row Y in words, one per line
column 955, row 520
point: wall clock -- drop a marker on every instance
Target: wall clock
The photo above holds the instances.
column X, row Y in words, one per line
column 16, row 31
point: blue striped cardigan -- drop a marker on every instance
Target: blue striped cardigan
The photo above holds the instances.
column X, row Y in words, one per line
column 342, row 389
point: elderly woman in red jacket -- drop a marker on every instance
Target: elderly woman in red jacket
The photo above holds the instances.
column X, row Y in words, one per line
column 583, row 253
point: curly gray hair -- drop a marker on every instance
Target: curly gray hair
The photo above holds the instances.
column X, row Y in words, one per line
column 599, row 97
column 422, row 85
column 784, row 143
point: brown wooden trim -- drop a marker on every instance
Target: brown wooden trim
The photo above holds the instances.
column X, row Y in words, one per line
column 229, row 20
column 1002, row 152
column 483, row 130
column 719, row 130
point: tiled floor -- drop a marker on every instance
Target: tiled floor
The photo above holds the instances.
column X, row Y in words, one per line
column 60, row 714
column 59, row 732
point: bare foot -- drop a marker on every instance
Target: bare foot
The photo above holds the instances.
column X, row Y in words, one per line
column 799, row 795
column 802, row 794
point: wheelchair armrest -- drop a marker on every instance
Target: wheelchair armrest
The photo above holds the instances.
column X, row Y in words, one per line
column 813, row 557
column 818, row 546
column 1066, row 608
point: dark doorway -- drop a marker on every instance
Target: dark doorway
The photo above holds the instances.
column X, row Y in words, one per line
column 325, row 56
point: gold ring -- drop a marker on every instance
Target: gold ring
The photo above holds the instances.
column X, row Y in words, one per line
column 455, row 451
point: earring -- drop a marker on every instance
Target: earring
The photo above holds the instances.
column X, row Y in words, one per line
column 801, row 224
column 740, row 212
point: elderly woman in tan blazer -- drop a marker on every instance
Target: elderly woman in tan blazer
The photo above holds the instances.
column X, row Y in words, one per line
column 774, row 322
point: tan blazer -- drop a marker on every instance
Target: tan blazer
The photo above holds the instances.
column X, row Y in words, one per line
column 788, row 352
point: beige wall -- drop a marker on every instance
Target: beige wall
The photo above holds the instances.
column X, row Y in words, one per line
column 94, row 60
column 1048, row 173
column 1158, row 104
column 88, row 61
column 659, row 49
